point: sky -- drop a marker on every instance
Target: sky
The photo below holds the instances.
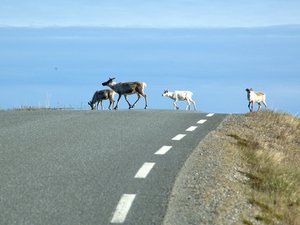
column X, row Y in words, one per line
column 57, row 53
column 154, row 13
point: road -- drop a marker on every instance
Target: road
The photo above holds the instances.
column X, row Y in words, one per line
column 93, row 167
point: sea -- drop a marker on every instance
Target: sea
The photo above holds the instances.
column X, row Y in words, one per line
column 62, row 67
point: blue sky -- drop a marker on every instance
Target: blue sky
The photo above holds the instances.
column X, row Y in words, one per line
column 152, row 13
column 56, row 53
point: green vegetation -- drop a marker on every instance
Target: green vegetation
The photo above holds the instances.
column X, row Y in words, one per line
column 268, row 144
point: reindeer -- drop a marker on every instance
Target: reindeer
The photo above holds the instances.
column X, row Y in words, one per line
column 181, row 96
column 127, row 88
column 99, row 96
column 255, row 97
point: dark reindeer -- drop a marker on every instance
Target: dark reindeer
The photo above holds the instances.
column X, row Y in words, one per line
column 127, row 88
column 99, row 96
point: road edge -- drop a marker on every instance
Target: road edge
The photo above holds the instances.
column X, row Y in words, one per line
column 203, row 192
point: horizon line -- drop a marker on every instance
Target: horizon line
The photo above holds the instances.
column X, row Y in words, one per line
column 149, row 27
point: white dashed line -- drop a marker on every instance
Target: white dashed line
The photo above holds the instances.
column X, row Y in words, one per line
column 144, row 170
column 201, row 121
column 126, row 200
column 178, row 137
column 163, row 150
column 191, row 128
column 123, row 208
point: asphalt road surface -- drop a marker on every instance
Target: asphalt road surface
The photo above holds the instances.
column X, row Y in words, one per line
column 93, row 167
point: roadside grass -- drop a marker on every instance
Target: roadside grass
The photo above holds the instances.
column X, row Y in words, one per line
column 269, row 145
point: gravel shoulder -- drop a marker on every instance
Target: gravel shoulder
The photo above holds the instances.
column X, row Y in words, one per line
column 209, row 188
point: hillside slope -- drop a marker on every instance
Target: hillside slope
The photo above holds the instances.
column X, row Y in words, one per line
column 245, row 172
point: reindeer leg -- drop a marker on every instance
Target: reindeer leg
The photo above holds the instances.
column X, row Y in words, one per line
column 118, row 101
column 101, row 105
column 145, row 97
column 188, row 107
column 175, row 106
column 139, row 96
column 91, row 105
column 249, row 106
column 265, row 104
column 111, row 103
column 146, row 104
column 194, row 104
column 258, row 106
column 130, row 106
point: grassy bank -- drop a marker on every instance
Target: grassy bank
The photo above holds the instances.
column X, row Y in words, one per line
column 268, row 144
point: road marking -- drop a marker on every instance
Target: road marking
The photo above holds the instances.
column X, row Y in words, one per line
column 144, row 170
column 163, row 150
column 201, row 121
column 178, row 137
column 210, row 115
column 123, row 208
column 191, row 128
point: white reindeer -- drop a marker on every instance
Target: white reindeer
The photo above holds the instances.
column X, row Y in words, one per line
column 127, row 88
column 99, row 96
column 181, row 96
column 255, row 97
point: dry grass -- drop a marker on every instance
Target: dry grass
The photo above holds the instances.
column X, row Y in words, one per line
column 269, row 146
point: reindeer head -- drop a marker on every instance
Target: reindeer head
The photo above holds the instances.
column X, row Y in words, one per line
column 92, row 105
column 109, row 82
column 165, row 92
column 249, row 90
